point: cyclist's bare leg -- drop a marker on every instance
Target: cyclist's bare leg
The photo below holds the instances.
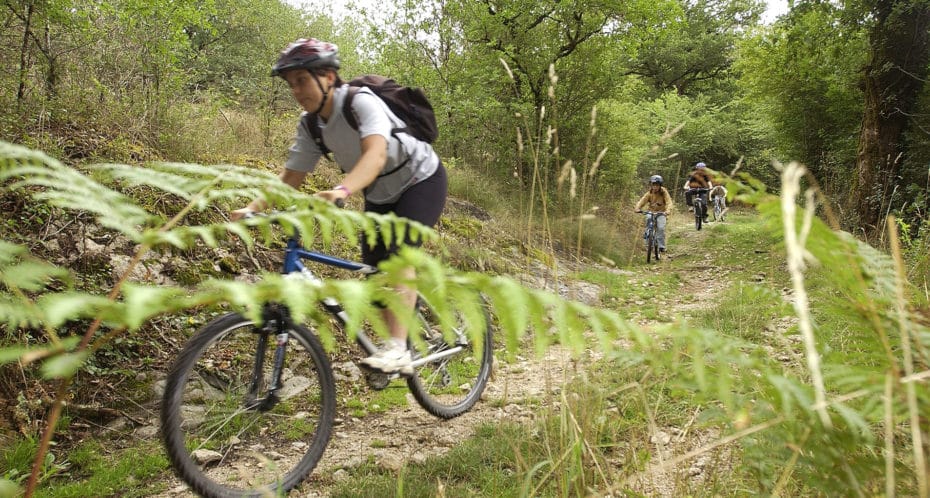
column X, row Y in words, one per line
column 409, row 297
column 395, row 357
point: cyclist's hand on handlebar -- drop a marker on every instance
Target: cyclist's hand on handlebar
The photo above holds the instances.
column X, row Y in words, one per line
column 336, row 195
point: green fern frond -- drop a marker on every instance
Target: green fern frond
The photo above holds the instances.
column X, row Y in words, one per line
column 61, row 307
column 15, row 315
column 69, row 189
column 21, row 274
column 201, row 186
column 20, row 271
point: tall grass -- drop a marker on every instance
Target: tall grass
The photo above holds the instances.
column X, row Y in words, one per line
column 724, row 406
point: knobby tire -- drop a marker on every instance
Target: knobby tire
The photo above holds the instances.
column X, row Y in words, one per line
column 652, row 246
column 449, row 387
column 203, row 408
column 698, row 214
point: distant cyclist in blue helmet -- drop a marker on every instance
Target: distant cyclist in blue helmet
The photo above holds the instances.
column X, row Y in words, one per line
column 699, row 178
column 658, row 200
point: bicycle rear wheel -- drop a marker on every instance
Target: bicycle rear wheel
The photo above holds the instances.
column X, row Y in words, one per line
column 698, row 214
column 221, row 438
column 449, row 386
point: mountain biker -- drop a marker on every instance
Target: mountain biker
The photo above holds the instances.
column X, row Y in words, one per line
column 395, row 172
column 658, row 200
column 699, row 178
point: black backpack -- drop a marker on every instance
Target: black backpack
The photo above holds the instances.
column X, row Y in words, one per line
column 408, row 104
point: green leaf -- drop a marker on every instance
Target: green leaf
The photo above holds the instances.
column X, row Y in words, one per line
column 31, row 275
column 241, row 231
column 61, row 307
column 64, row 365
column 206, row 234
column 11, row 354
column 355, row 298
column 9, row 489
column 509, row 297
column 143, row 302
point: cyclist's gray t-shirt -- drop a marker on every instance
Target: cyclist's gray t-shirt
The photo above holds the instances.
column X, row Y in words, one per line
column 374, row 118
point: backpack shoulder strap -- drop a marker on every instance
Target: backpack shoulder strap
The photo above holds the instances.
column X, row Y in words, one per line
column 347, row 107
column 310, row 123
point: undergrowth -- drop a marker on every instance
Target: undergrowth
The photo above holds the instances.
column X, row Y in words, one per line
column 731, row 386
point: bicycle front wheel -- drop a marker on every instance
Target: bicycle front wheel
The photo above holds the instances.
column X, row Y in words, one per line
column 698, row 215
column 450, row 385
column 226, row 433
column 651, row 246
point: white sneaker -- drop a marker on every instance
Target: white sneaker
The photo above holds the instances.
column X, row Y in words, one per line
column 390, row 360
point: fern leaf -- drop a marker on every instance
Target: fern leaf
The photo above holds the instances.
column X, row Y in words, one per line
column 64, row 365
column 60, row 307
column 141, row 303
column 357, row 302
column 17, row 314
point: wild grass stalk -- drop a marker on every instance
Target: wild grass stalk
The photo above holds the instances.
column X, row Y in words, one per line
column 797, row 254
column 908, row 360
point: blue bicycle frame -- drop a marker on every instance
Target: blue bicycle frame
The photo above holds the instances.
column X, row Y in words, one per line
column 295, row 252
column 293, row 255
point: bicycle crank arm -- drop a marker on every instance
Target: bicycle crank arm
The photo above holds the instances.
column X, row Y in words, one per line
column 437, row 356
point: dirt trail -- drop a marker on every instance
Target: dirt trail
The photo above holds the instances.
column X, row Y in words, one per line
column 410, row 435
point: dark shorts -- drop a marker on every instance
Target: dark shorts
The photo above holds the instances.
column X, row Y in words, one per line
column 422, row 202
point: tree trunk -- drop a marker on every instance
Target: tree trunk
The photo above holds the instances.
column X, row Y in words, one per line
column 893, row 80
column 24, row 54
column 51, row 74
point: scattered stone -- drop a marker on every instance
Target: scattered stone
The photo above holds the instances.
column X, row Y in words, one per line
column 660, row 438
column 391, row 462
column 146, row 431
column 347, row 371
column 293, row 386
column 158, row 388
column 206, row 457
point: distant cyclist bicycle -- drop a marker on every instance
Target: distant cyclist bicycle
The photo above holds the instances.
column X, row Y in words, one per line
column 656, row 201
column 718, row 199
column 699, row 182
column 650, row 235
column 699, row 203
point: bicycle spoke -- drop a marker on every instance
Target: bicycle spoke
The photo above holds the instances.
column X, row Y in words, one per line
column 451, row 385
column 217, row 429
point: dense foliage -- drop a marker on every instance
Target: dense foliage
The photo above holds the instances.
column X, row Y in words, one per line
column 132, row 80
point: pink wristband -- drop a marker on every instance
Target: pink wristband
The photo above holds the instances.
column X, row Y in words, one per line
column 343, row 188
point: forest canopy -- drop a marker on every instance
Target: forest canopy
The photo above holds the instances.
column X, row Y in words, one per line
column 836, row 86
